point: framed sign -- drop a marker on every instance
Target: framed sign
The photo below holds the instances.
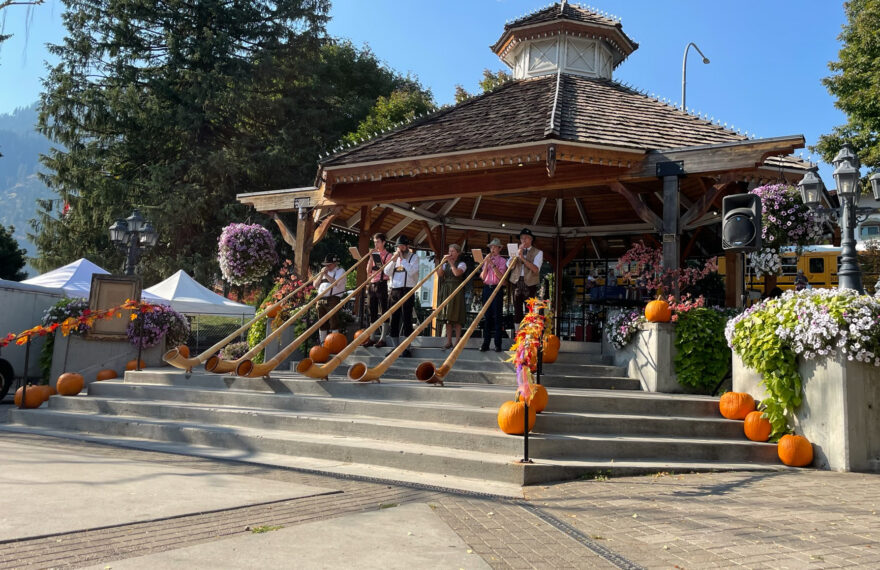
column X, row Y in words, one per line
column 111, row 291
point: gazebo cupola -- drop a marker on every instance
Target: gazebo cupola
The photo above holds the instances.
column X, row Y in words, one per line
column 564, row 37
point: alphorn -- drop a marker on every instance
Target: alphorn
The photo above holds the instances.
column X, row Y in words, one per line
column 220, row 366
column 247, row 367
column 174, row 358
column 427, row 372
column 310, row 369
column 359, row 371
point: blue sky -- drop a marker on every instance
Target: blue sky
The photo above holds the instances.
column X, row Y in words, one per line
column 767, row 56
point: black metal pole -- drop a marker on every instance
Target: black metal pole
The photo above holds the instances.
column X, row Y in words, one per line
column 140, row 339
column 27, row 356
column 525, row 432
column 850, row 275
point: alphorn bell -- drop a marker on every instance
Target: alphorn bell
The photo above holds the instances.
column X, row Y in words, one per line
column 248, row 368
column 359, row 371
column 427, row 372
column 310, row 369
column 174, row 358
column 216, row 364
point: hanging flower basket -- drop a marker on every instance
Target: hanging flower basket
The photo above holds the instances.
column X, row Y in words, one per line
column 247, row 253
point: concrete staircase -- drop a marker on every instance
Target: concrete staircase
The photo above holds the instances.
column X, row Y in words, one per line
column 597, row 422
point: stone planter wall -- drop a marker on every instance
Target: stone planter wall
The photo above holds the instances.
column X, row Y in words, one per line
column 650, row 358
column 840, row 413
column 88, row 356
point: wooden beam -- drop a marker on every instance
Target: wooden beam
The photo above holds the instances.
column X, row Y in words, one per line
column 377, row 223
column 432, row 241
column 569, row 257
column 690, row 245
column 638, row 204
column 476, row 206
column 700, row 207
column 447, row 207
column 581, row 212
column 559, row 212
column 304, row 231
column 286, row 234
column 321, row 230
column 538, row 211
column 399, row 227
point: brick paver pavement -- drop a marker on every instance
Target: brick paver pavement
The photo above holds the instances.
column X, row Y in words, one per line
column 797, row 519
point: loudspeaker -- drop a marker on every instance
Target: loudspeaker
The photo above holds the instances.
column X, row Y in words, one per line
column 741, row 223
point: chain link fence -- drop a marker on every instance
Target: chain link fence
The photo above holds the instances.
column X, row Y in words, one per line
column 207, row 330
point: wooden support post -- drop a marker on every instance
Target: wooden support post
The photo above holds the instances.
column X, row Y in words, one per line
column 733, row 280
column 305, row 229
column 670, row 172
column 557, row 278
column 363, row 247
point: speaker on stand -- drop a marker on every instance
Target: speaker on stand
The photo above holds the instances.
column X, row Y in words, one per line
column 741, row 228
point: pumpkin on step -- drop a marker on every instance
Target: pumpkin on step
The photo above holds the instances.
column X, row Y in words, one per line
column 551, row 349
column 273, row 311
column 335, row 342
column 319, row 354
column 106, row 374
column 70, row 384
column 795, row 450
column 658, row 312
column 133, row 365
column 736, row 405
column 539, row 398
column 757, row 427
column 33, row 397
column 511, row 417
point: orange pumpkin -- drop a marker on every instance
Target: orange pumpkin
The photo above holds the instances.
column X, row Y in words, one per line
column 757, row 427
column 795, row 450
column 273, row 311
column 44, row 390
column 319, row 354
column 33, row 398
column 551, row 349
column 358, row 333
column 736, row 405
column 70, row 384
column 511, row 416
column 133, row 365
column 539, row 399
column 335, row 343
column 106, row 374
column 183, row 351
column 658, row 312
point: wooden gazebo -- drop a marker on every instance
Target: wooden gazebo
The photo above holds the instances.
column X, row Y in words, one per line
column 584, row 161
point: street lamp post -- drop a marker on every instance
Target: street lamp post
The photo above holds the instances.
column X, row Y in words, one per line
column 846, row 176
column 684, row 72
column 133, row 234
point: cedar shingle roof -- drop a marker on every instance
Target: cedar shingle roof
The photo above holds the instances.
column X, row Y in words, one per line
column 591, row 111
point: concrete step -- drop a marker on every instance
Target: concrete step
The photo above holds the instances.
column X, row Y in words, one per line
column 568, row 400
column 120, row 399
column 464, row 452
column 540, row 471
column 473, row 354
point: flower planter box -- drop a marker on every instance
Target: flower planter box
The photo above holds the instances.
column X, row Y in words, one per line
column 87, row 356
column 650, row 358
column 840, row 413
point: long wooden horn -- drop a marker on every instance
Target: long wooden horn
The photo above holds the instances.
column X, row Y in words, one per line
column 220, row 366
column 174, row 358
column 247, row 367
column 359, row 371
column 307, row 367
column 427, row 372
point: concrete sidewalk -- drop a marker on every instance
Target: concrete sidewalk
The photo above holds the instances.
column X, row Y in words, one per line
column 77, row 504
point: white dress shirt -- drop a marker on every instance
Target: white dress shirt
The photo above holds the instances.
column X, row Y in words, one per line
column 404, row 272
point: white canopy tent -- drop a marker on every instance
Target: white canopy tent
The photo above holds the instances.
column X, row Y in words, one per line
column 188, row 296
column 75, row 280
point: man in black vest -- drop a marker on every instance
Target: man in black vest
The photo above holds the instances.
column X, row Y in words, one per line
column 403, row 274
column 524, row 279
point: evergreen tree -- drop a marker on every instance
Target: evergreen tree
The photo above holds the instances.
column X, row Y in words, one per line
column 857, row 84
column 176, row 107
column 12, row 257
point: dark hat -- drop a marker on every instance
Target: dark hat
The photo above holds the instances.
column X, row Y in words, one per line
column 330, row 258
column 527, row 232
column 403, row 240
